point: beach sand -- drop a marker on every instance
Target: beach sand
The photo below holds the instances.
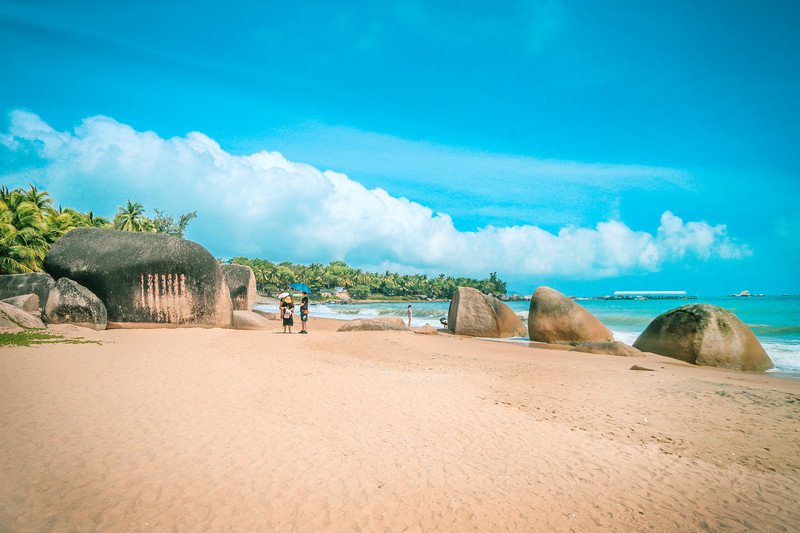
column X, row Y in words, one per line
column 221, row 430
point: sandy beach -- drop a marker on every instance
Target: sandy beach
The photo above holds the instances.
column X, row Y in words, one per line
column 222, row 430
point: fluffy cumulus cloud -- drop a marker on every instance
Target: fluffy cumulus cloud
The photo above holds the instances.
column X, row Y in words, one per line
column 262, row 205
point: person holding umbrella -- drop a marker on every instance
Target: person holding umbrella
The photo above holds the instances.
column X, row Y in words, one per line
column 304, row 313
column 302, row 287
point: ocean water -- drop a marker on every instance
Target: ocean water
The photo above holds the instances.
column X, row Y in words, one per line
column 774, row 319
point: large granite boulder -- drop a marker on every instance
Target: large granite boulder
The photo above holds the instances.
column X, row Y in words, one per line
column 242, row 284
column 145, row 279
column 372, row 324
column 38, row 283
column 27, row 302
column 249, row 320
column 707, row 335
column 479, row 315
column 556, row 319
column 14, row 318
column 72, row 303
column 608, row 348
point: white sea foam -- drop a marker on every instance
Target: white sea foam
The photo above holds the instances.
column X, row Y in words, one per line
column 627, row 337
column 785, row 357
column 420, row 316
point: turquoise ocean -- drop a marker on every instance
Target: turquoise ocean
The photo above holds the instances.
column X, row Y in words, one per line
column 774, row 319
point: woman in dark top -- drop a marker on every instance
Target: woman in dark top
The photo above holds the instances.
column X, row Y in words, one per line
column 304, row 313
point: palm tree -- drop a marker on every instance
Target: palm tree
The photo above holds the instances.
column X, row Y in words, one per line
column 40, row 200
column 23, row 242
column 59, row 222
column 261, row 276
column 131, row 218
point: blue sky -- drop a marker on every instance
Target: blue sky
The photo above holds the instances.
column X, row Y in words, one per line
column 583, row 145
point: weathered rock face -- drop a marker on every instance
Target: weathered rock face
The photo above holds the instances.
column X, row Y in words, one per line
column 242, row 284
column 555, row 318
column 144, row 278
column 249, row 320
column 479, row 315
column 37, row 283
column 372, row 324
column 72, row 303
column 14, row 318
column 27, row 302
column 608, row 348
column 706, row 335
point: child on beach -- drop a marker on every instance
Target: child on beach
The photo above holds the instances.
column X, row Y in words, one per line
column 409, row 315
column 304, row 313
column 287, row 308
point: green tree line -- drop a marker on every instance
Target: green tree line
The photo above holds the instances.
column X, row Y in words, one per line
column 30, row 224
column 274, row 278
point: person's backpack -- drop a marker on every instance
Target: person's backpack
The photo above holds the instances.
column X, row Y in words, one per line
column 287, row 312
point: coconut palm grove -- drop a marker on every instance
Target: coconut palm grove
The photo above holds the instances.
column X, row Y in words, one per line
column 30, row 223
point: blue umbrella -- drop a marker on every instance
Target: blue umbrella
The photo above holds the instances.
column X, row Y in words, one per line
column 302, row 287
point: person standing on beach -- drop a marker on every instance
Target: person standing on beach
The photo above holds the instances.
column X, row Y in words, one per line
column 304, row 313
column 409, row 315
column 287, row 308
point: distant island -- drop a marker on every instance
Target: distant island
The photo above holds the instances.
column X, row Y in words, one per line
column 744, row 294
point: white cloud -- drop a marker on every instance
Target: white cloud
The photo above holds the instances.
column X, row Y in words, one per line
column 262, row 205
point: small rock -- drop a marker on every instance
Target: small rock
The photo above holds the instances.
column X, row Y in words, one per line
column 267, row 314
column 27, row 302
column 249, row 320
column 608, row 348
column 371, row 324
column 14, row 318
column 427, row 329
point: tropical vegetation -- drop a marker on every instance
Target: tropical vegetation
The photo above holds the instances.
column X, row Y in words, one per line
column 30, row 224
column 361, row 285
